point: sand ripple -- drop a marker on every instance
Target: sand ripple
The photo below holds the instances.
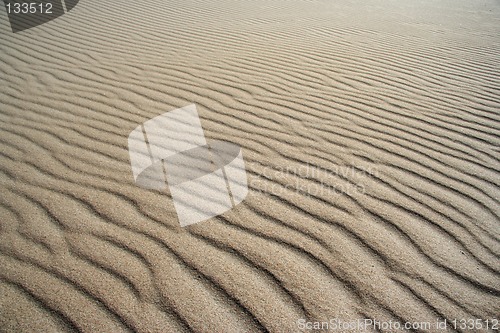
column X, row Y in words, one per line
column 371, row 135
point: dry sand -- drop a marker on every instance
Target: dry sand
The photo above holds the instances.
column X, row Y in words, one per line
column 371, row 136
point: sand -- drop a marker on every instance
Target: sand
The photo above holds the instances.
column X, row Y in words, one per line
column 370, row 132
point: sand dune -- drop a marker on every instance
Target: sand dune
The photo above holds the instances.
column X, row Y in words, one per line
column 371, row 137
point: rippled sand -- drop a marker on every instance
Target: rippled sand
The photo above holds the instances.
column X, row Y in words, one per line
column 371, row 136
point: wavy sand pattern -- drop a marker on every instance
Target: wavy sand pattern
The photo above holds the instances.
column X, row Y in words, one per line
column 371, row 135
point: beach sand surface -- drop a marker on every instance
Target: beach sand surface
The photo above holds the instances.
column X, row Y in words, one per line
column 370, row 132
